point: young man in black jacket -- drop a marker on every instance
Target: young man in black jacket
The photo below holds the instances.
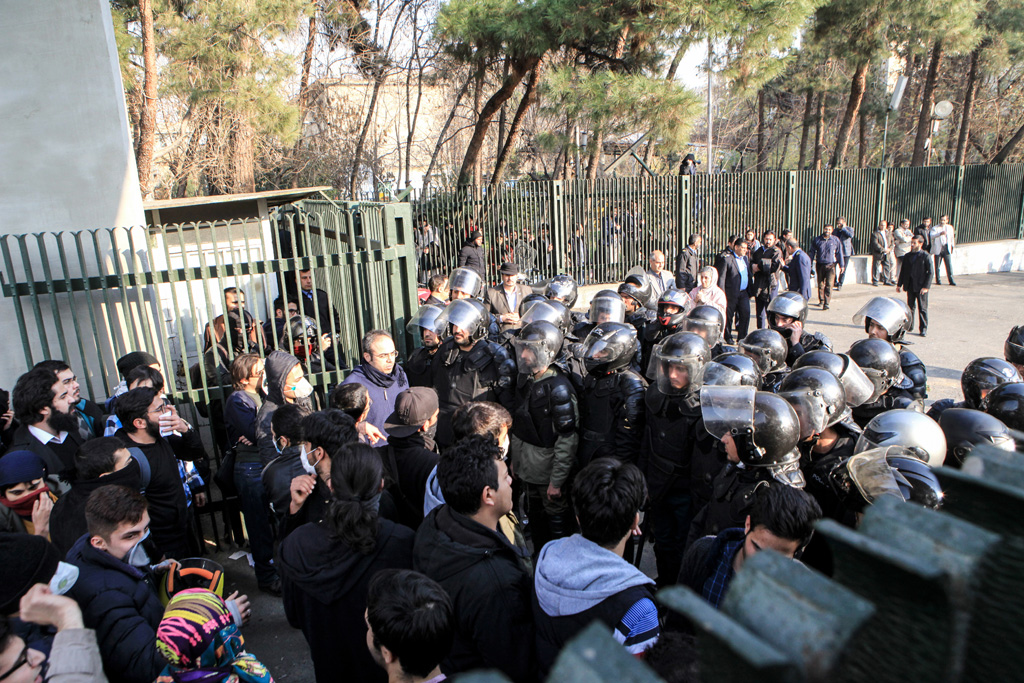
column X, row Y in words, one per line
column 916, row 278
column 459, row 546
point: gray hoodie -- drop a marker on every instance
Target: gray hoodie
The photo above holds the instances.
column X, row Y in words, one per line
column 277, row 365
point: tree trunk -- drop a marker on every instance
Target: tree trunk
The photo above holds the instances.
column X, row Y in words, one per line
column 502, row 117
column 476, row 143
column 819, row 132
column 307, row 67
column 862, row 142
column 147, row 113
column 353, row 181
column 597, row 150
column 762, row 149
column 1008, row 148
column 924, row 120
column 857, row 87
column 444, row 130
column 242, row 136
column 478, row 93
column 805, row 129
column 965, row 116
column 514, row 131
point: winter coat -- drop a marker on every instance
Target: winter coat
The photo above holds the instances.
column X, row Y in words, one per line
column 491, row 592
column 120, row 604
column 383, row 390
column 325, row 584
column 278, row 365
column 67, row 519
column 75, row 658
column 409, row 461
column 471, row 255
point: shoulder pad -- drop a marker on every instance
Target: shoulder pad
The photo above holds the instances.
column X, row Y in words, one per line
column 563, row 414
column 651, row 333
column 631, row 383
column 561, row 389
column 909, row 359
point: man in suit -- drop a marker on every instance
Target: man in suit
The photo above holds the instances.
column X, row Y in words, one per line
column 735, row 279
column 916, row 278
column 924, row 231
column 505, row 301
column 797, row 269
column 766, row 261
column 688, row 264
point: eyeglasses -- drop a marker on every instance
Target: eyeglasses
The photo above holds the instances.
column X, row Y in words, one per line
column 21, row 661
column 161, row 408
column 385, row 356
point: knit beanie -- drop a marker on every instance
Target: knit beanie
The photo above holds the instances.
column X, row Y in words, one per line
column 28, row 560
column 20, row 466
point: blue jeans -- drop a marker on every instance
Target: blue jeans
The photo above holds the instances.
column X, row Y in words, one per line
column 670, row 519
column 256, row 509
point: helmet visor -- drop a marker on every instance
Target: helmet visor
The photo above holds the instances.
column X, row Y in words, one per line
column 810, row 410
column 726, row 408
column 466, row 280
column 532, row 356
column 789, row 472
column 858, row 388
column 871, row 474
column 425, row 319
column 711, row 331
column 888, row 313
column 562, row 290
column 676, row 375
column 550, row 311
column 600, row 350
column 461, row 314
column 759, row 355
column 605, row 309
column 716, row 374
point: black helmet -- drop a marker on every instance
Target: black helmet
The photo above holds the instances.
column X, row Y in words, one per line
column 607, row 307
column 733, row 370
column 467, row 314
column 866, row 476
column 763, row 426
column 982, row 375
column 880, row 361
column 917, row 482
column 637, row 286
column 965, row 428
column 677, row 298
column 466, row 280
column 609, row 347
column 562, row 288
column 768, row 348
column 537, row 345
column 426, row 319
column 679, row 360
column 1006, row 403
column 891, row 314
column 302, row 337
column 790, row 304
column 909, row 429
column 553, row 312
column 707, row 321
column 1013, row 349
column 857, row 386
column 818, row 398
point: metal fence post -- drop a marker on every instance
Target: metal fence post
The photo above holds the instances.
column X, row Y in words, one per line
column 1020, row 214
column 883, row 177
column 791, row 202
column 556, row 219
column 684, row 210
column 957, row 194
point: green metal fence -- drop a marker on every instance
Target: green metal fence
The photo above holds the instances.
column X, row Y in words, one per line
column 596, row 230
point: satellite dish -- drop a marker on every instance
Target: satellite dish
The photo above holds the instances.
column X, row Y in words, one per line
column 942, row 110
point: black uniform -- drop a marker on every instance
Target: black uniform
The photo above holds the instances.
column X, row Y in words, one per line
column 809, row 341
column 611, row 416
column 913, row 367
column 732, row 496
column 484, row 373
column 417, row 367
column 894, row 399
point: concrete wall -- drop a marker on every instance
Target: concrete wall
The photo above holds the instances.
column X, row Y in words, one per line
column 66, row 159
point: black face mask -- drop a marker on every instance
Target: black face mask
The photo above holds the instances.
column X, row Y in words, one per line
column 63, row 422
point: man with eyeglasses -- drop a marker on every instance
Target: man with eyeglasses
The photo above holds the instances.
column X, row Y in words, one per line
column 152, row 425
column 382, row 376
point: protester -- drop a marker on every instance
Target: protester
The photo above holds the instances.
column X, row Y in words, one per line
column 661, row 280
column 439, row 292
column 829, row 261
column 382, row 376
column 26, row 502
column 706, row 290
column 286, row 383
column 505, row 300
column 90, row 415
column 688, row 263
column 471, row 255
column 411, row 454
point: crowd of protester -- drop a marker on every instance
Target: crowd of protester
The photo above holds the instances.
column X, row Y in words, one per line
column 480, row 502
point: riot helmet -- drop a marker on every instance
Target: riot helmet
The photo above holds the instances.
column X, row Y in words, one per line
column 880, row 361
column 707, row 321
column 609, row 347
column 530, row 300
column 562, row 288
column 468, row 315
column 637, row 286
column 965, row 428
column 673, row 298
column 467, row 281
column 982, row 375
column 1013, row 348
column 424, row 323
column 763, row 428
column 607, row 307
column 768, row 348
column 553, row 312
column 1006, row 403
column 856, row 385
column 890, row 314
column 790, row 304
column 537, row 345
column 867, row 476
column 818, row 398
column 302, row 337
column 678, row 363
column 916, row 432
column 918, row 484
column 732, row 370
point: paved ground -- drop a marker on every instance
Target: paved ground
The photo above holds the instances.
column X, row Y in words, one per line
column 967, row 321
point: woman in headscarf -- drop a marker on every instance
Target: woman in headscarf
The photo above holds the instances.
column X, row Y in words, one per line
column 202, row 644
column 707, row 292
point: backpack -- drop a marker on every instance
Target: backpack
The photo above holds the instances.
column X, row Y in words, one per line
column 145, row 469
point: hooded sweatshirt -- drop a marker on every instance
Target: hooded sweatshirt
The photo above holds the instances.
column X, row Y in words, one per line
column 325, row 583
column 278, row 365
column 383, row 390
column 578, row 581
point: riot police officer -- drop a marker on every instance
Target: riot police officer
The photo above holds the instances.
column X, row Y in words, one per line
column 563, row 288
column 636, row 293
column 981, row 376
column 417, row 365
column 672, row 308
column 543, row 437
column 768, row 349
column 889, row 319
column 759, row 433
column 464, row 283
column 467, row 367
column 787, row 314
column 880, row 361
column 611, row 403
column 733, row 370
column 673, row 435
column 908, row 429
column 965, row 428
column 1013, row 348
column 1006, row 403
column 605, row 307
column 708, row 322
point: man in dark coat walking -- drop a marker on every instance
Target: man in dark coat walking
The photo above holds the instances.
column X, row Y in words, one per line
column 916, row 278
column 472, row 254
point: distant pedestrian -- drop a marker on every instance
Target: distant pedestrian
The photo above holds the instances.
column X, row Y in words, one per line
column 943, row 238
column 797, row 269
column 845, row 234
column 924, row 230
column 901, row 239
column 827, row 253
column 688, row 263
column 915, row 277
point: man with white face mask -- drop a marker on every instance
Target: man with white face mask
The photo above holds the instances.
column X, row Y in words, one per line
column 112, row 589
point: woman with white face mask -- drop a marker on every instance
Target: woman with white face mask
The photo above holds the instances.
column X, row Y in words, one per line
column 286, row 384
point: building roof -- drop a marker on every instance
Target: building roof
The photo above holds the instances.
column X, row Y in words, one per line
column 223, row 206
